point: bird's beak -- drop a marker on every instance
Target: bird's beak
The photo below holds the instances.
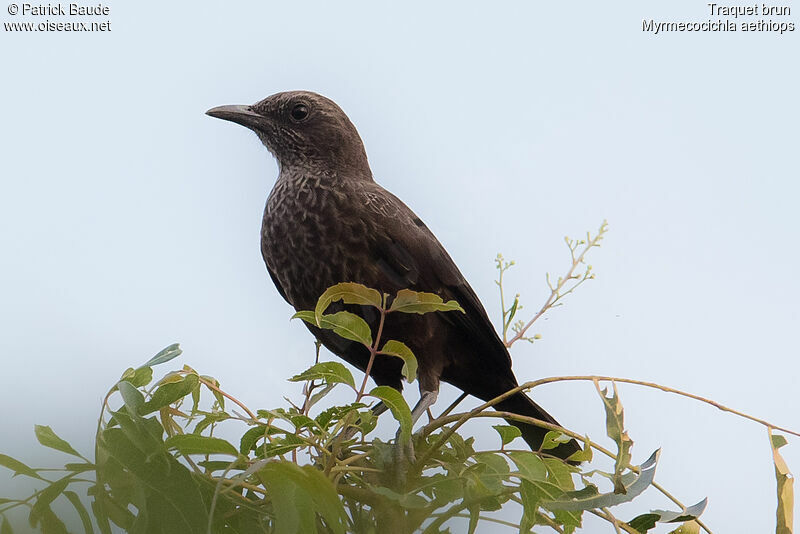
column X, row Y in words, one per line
column 243, row 115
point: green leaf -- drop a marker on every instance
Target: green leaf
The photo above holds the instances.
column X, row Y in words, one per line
column 349, row 293
column 584, row 455
column 336, row 413
column 507, row 433
column 587, row 500
column 138, row 377
column 298, row 494
column 777, row 440
column 529, row 465
column 345, row 324
column 131, row 396
column 400, row 350
column 553, row 439
column 5, row 527
column 174, row 502
column 81, row 509
column 397, row 405
column 645, row 522
column 280, row 446
column 79, row 468
column 408, row 301
column 170, row 390
column 18, row 467
column 48, row 438
column 251, row 437
column 329, row 372
column 513, row 310
column 560, row 473
column 165, row 355
column 615, row 428
column 39, row 510
column 319, row 395
column 530, row 498
column 195, row 444
column 307, row 316
column 785, row 481
column 349, row 326
column 51, row 523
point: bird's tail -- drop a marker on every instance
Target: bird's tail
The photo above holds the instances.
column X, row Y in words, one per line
column 533, row 435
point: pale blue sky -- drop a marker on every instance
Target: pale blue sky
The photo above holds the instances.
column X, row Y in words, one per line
column 129, row 220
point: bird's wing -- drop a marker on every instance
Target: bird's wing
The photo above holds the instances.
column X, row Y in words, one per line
column 410, row 256
column 276, row 282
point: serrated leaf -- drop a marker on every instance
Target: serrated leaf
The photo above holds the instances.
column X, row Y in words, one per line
column 615, row 428
column 79, row 468
column 584, row 455
column 298, row 494
column 175, row 500
column 345, row 324
column 280, row 446
column 307, row 316
column 646, row 522
column 349, row 293
column 778, row 440
column 553, row 439
column 785, row 486
column 529, row 465
column 195, row 444
column 401, row 350
column 408, row 301
column 168, row 353
column 319, row 395
column 170, row 391
column 582, row 500
column 138, row 377
column 41, row 507
column 507, row 433
column 131, row 396
column 329, row 372
column 18, row 467
column 249, row 439
column 48, row 438
column 394, row 400
column 81, row 509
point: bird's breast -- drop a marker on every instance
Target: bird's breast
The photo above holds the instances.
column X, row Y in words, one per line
column 313, row 236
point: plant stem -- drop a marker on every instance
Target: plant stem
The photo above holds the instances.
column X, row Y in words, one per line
column 373, row 350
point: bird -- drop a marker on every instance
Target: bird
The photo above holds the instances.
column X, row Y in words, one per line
column 328, row 221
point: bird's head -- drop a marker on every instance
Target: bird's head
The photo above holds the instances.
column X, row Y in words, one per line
column 303, row 130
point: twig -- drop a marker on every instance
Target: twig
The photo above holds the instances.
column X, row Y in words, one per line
column 373, row 350
column 555, row 291
column 454, row 404
column 210, row 385
column 715, row 404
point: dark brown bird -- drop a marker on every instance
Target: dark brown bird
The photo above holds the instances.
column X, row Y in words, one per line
column 327, row 221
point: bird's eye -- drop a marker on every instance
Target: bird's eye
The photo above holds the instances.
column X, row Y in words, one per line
column 299, row 112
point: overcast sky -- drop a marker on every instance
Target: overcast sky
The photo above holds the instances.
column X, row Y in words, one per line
column 129, row 220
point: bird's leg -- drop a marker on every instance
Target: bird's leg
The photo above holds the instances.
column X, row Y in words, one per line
column 426, row 400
